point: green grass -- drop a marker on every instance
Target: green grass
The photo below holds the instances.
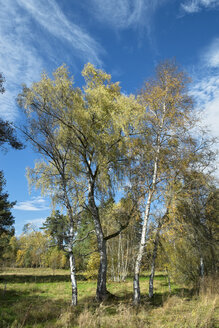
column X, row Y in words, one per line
column 41, row 298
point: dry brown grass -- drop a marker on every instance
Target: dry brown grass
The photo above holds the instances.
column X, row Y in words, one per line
column 198, row 312
column 45, row 304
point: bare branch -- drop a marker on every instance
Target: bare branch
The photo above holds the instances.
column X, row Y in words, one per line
column 81, row 239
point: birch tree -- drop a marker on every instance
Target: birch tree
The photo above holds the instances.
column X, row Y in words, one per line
column 166, row 143
column 120, row 250
column 92, row 123
column 51, row 173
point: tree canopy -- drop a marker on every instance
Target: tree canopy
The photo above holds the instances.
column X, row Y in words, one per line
column 97, row 143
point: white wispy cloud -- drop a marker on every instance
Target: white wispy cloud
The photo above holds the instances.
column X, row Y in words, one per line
column 194, row 6
column 36, row 204
column 36, row 222
column 30, row 34
column 205, row 90
column 50, row 16
column 18, row 61
column 122, row 14
column 211, row 55
column 206, row 86
column 206, row 93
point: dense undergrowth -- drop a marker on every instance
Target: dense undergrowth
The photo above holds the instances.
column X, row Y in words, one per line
column 41, row 298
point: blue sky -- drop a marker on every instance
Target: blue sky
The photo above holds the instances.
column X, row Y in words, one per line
column 126, row 38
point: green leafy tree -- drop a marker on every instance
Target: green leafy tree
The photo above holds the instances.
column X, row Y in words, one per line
column 57, row 226
column 33, row 249
column 197, row 222
column 10, row 252
column 7, row 132
column 121, row 249
column 52, row 174
column 6, row 217
column 56, row 258
column 8, row 136
column 167, row 146
column 89, row 128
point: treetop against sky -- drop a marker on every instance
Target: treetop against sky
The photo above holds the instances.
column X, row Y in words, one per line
column 124, row 38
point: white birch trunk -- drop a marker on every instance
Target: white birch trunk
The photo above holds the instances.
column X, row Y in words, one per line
column 70, row 250
column 119, row 259
column 72, row 268
column 201, row 267
column 136, row 284
column 73, row 279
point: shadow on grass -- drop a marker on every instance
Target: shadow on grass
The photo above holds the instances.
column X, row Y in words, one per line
column 37, row 279
column 126, row 297
column 21, row 308
column 160, row 298
column 26, row 308
column 32, row 307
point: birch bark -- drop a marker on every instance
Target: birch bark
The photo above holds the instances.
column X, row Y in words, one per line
column 70, row 248
column 73, row 274
column 136, row 285
column 152, row 189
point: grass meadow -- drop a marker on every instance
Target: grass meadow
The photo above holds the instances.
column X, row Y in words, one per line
column 41, row 298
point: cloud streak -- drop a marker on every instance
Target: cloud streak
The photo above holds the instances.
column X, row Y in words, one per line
column 30, row 34
column 36, row 222
column 206, row 87
column 123, row 14
column 194, row 6
column 206, row 93
column 18, row 62
column 36, row 204
column 205, row 90
column 49, row 15
column 211, row 55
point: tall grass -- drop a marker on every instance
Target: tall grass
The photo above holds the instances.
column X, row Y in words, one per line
column 45, row 302
column 175, row 313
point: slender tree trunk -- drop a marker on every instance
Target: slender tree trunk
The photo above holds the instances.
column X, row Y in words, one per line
column 73, row 279
column 70, row 250
column 168, row 278
column 125, row 266
column 136, row 285
column 151, row 280
column 101, row 292
column 110, row 251
column 213, row 261
column 213, row 255
column 201, row 267
column 119, row 259
column 72, row 267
